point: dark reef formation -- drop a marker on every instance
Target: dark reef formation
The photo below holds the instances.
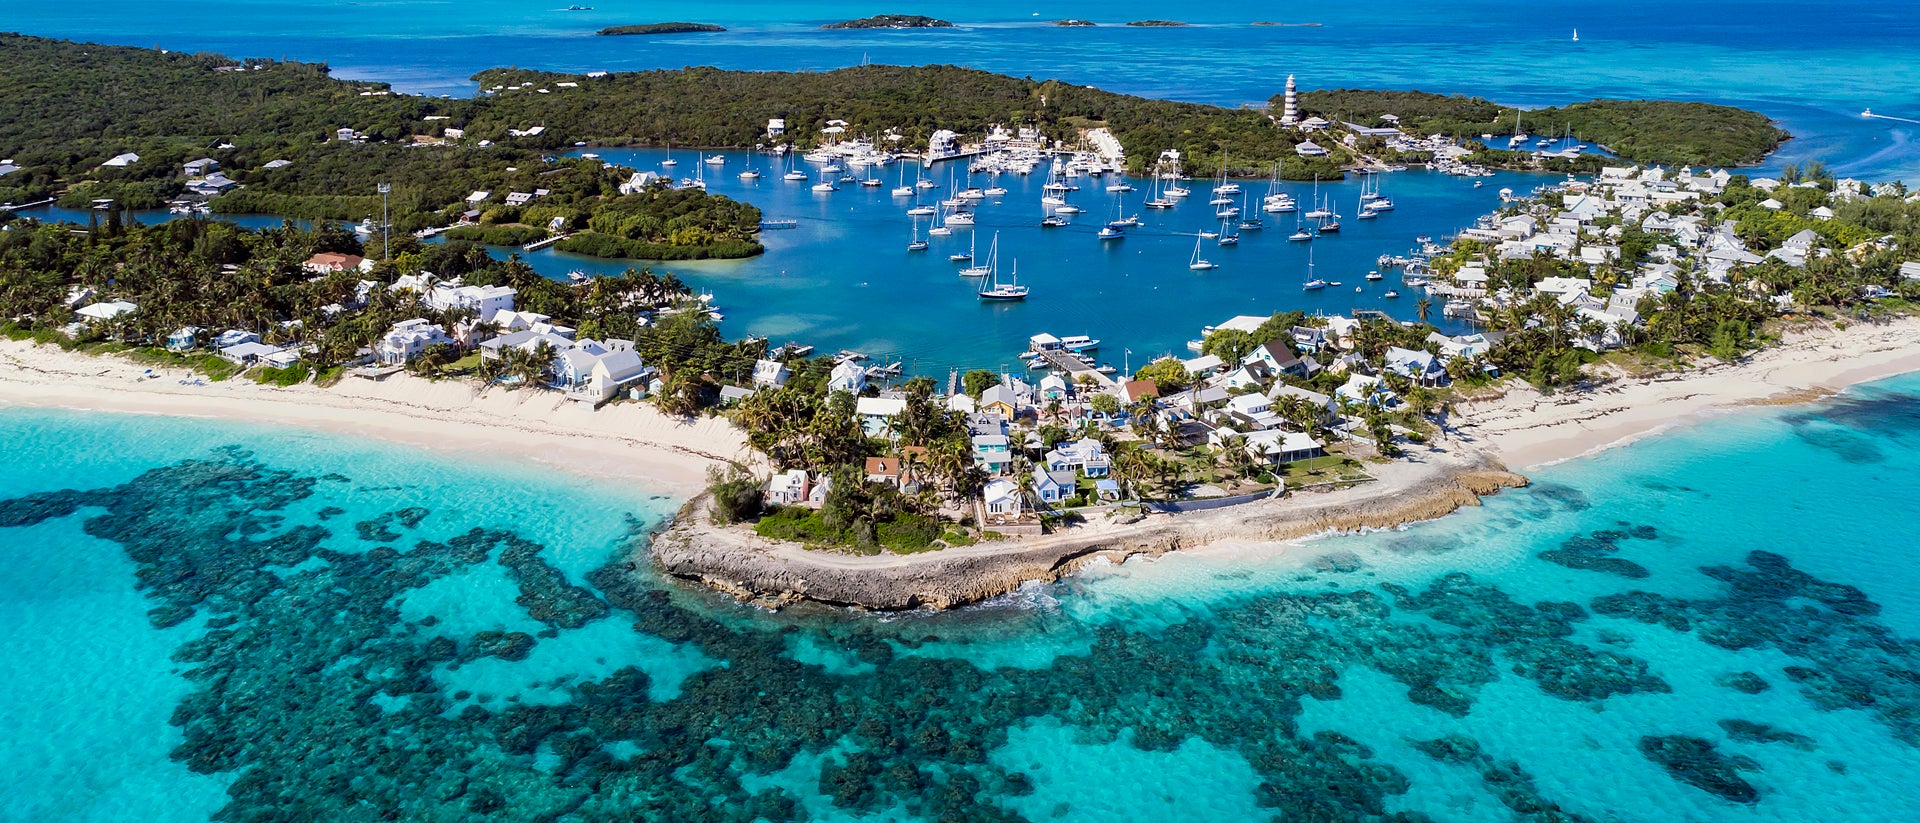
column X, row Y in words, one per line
column 322, row 701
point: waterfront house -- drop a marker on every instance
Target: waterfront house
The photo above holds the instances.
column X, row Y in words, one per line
column 1000, row 400
column 1419, row 366
column 789, row 488
column 1002, row 498
column 408, row 338
column 1308, row 148
column 1085, row 456
column 847, row 377
column 961, row 403
column 732, row 395
column 212, row 184
column 615, row 371
column 1276, row 447
column 893, row 472
column 770, row 374
column 1052, row 486
column 248, row 353
column 184, row 339
column 1107, row 488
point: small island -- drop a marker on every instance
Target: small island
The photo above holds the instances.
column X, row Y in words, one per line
column 1075, row 23
column 659, row 28
column 1157, row 24
column 891, row 21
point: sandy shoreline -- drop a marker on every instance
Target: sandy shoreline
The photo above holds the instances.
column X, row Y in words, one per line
column 634, row 442
column 630, row 441
column 1526, row 429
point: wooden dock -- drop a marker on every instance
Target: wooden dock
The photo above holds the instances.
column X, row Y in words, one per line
column 541, row 244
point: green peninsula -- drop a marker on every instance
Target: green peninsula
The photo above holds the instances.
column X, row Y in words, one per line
column 659, row 28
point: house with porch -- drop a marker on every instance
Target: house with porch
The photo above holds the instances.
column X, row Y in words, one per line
column 1276, row 447
column 408, row 338
column 847, row 377
column 1003, row 498
column 1085, row 456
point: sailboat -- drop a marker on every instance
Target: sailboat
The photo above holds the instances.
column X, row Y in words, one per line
column 825, row 185
column 1199, row 263
column 1331, row 223
column 1224, row 187
column 794, row 175
column 965, row 256
column 916, row 244
column 1300, row 231
column 1011, row 290
column 903, row 190
column 1249, row 221
column 1576, row 35
column 1227, row 238
column 871, row 181
column 1319, row 212
column 1361, row 212
column 1156, row 198
column 993, row 253
column 1520, row 135
column 1313, row 283
column 669, row 162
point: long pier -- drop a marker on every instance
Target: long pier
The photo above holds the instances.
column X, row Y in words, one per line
column 541, row 244
column 1064, row 361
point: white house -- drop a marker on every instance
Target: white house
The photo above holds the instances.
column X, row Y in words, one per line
column 770, row 374
column 106, row 311
column 847, row 377
column 1328, row 408
column 611, row 373
column 408, row 338
column 1365, row 390
column 248, row 353
column 1255, row 411
column 1418, row 366
column 1276, row 446
column 483, row 301
column 876, row 412
column 789, row 488
column 1003, row 498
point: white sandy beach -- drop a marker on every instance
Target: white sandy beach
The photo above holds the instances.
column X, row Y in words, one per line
column 1526, row 429
column 626, row 441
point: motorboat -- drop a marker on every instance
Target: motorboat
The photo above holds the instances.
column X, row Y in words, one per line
column 1111, row 233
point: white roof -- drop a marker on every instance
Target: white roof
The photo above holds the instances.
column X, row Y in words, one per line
column 107, row 311
column 879, row 406
column 1247, row 323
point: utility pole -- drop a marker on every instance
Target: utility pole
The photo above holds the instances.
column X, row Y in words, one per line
column 386, row 219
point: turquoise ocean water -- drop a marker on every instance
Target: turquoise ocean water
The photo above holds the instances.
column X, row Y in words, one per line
column 1721, row 623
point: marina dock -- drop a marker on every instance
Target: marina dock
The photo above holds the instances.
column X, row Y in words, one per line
column 541, row 244
column 1066, row 363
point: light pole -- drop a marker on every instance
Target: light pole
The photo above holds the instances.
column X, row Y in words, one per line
column 1126, row 362
column 386, row 240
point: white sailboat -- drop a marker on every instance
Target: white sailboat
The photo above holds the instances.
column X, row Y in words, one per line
column 1313, row 283
column 916, row 244
column 903, row 190
column 1011, row 290
column 1199, row 263
column 1224, row 187
column 669, row 162
column 993, row 255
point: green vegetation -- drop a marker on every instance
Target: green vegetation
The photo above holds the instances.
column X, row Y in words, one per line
column 498, row 235
column 891, row 21
column 670, row 224
column 659, row 28
column 1643, row 131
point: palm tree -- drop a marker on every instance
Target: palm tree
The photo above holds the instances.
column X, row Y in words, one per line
column 1423, row 308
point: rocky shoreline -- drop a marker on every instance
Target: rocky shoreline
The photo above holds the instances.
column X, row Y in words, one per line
column 775, row 573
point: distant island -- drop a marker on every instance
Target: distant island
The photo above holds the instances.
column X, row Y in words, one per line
column 891, row 21
column 1156, row 24
column 1075, row 23
column 659, row 28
